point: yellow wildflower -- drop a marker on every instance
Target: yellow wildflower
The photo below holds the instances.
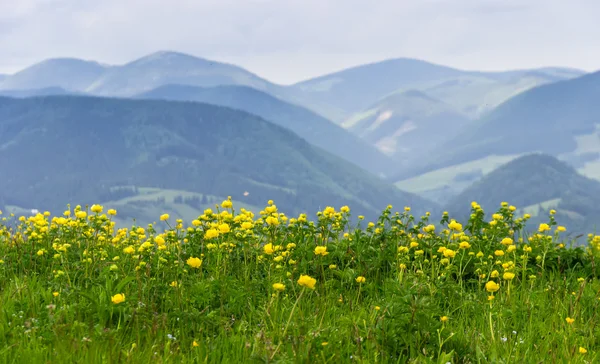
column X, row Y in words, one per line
column 307, row 281
column 118, row 298
column 321, row 250
column 280, row 287
column 492, row 286
column 194, row 262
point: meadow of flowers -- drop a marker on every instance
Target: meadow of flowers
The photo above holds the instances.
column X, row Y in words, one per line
column 234, row 287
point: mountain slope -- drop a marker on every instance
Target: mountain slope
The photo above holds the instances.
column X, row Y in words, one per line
column 407, row 123
column 339, row 95
column 552, row 118
column 78, row 149
column 163, row 68
column 36, row 92
column 67, row 73
column 533, row 180
column 308, row 125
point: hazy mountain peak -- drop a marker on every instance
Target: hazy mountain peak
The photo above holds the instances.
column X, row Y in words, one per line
column 66, row 73
column 168, row 58
column 166, row 67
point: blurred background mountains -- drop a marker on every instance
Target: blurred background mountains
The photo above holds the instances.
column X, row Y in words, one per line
column 175, row 133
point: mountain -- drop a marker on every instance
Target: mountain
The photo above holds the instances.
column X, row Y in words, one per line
column 164, row 68
column 2, row 77
column 94, row 150
column 536, row 183
column 36, row 92
column 407, row 123
column 66, row 73
column 477, row 94
column 338, row 96
column 560, row 119
column 307, row 124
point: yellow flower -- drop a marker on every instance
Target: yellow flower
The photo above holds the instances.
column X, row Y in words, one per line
column 96, row 208
column 129, row 250
column 173, row 284
column 118, row 298
column 455, row 226
column 321, row 250
column 377, row 308
column 479, row 255
column 112, row 212
column 224, row 228
column 81, row 214
column 429, row 228
column 268, row 249
column 195, row 343
column 246, row 225
column 55, row 294
column 569, row 320
column 499, row 253
column 582, row 350
column 561, row 229
column 164, row 217
column 543, row 227
column 506, row 241
column 492, row 286
column 280, row 287
column 449, row 253
column 307, row 281
column 508, row 276
column 414, row 244
column 444, row 318
column 464, row 245
column 360, row 279
column 226, row 204
column 527, row 216
column 511, row 248
column 194, row 262
column 494, row 274
column 211, row 233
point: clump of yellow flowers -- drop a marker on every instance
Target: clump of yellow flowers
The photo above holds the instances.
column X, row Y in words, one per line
column 227, row 264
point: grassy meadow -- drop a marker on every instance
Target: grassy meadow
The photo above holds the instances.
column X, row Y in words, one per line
column 233, row 287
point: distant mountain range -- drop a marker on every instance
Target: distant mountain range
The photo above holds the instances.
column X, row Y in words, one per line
column 307, row 124
column 536, row 183
column 62, row 149
column 560, row 119
column 340, row 95
column 430, row 129
column 337, row 96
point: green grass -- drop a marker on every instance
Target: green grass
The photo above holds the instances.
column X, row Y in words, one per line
column 417, row 302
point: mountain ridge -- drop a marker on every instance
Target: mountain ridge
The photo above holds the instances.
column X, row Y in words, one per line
column 307, row 124
column 101, row 143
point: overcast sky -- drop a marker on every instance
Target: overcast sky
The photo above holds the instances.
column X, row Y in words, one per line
column 289, row 40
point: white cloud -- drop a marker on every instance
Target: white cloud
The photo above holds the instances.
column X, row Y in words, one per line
column 287, row 40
